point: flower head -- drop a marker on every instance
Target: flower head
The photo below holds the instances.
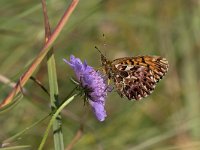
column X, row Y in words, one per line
column 94, row 84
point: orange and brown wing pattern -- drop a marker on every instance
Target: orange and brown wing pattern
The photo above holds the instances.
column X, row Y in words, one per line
column 136, row 77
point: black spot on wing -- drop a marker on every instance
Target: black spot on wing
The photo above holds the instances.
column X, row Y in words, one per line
column 123, row 74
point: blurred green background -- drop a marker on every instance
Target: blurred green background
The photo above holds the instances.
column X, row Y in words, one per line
column 166, row 120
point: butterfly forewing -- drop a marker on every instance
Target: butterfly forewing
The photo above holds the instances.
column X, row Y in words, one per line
column 136, row 77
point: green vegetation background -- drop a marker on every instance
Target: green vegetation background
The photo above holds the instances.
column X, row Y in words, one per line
column 168, row 119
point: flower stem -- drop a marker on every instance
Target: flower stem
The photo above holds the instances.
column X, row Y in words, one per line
column 53, row 85
column 53, row 119
column 57, row 124
column 70, row 94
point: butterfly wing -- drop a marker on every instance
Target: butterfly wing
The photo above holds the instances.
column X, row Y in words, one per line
column 136, row 77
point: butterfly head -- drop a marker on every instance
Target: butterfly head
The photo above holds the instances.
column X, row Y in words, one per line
column 106, row 64
column 104, row 60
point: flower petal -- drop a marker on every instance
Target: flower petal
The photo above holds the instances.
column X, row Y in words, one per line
column 98, row 109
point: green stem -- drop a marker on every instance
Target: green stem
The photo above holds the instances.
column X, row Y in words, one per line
column 53, row 85
column 70, row 94
column 53, row 119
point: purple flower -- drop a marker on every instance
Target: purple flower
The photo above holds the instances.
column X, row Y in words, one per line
column 93, row 83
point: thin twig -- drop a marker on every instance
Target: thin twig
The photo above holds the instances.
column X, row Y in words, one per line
column 46, row 22
column 7, row 81
column 41, row 55
column 40, row 85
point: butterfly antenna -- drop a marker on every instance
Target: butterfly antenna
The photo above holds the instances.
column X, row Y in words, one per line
column 104, row 43
column 98, row 50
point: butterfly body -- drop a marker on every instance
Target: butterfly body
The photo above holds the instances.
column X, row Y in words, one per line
column 135, row 77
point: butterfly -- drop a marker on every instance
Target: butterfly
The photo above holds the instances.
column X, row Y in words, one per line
column 135, row 77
